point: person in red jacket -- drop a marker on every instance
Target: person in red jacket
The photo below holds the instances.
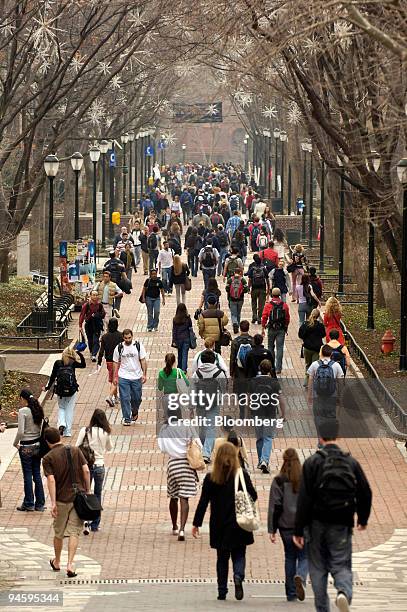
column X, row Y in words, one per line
column 269, row 256
column 92, row 314
column 276, row 318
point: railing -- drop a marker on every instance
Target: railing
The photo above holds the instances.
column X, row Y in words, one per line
column 59, row 336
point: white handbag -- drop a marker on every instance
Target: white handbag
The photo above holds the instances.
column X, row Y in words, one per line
column 247, row 513
column 182, row 385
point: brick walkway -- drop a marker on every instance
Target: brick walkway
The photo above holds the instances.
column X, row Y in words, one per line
column 135, row 540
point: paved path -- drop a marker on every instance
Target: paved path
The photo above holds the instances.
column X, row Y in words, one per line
column 135, row 541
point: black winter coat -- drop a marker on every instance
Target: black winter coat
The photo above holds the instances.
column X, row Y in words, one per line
column 224, row 532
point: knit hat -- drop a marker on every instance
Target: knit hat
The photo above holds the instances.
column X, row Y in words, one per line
column 212, row 299
column 69, row 352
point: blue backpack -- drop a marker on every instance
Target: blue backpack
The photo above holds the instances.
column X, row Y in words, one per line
column 324, row 383
column 241, row 357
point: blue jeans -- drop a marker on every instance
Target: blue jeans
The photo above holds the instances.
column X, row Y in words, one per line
column 97, row 474
column 303, row 312
column 235, row 311
column 130, row 397
column 31, row 467
column 207, row 433
column 296, row 562
column 329, row 549
column 183, row 355
column 153, row 312
column 207, row 274
column 193, row 262
column 264, row 442
column 222, row 255
column 66, row 407
column 165, row 277
column 152, row 259
column 277, row 338
column 222, row 566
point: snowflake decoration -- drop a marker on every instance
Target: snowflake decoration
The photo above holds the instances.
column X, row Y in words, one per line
column 169, row 138
column 270, row 112
column 212, row 110
column 61, row 109
column 7, row 29
column 150, row 37
column 116, row 82
column 135, row 19
column 77, row 63
column 311, row 45
column 242, row 98
column 108, row 121
column 45, row 34
column 44, row 67
column 104, row 68
column 343, row 32
column 294, row 114
column 97, row 111
column 183, row 70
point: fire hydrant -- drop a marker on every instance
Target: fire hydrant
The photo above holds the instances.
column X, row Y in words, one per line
column 388, row 341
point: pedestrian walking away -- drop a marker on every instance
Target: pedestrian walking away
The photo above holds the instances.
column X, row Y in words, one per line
column 240, row 349
column 212, row 321
column 180, row 279
column 152, row 295
column 108, row 343
column 281, row 517
column 131, row 370
column 333, row 318
column 257, row 354
column 333, row 488
column 181, row 335
column 236, row 287
column 208, row 259
column 92, row 317
column 27, row 441
column 127, row 257
column 258, row 286
column 312, row 333
column 296, row 267
column 168, row 380
column 225, row 535
column 280, row 278
column 276, row 318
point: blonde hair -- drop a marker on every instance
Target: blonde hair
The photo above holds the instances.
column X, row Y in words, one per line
column 226, row 463
column 298, row 248
column 313, row 318
column 333, row 307
column 291, row 468
column 177, row 265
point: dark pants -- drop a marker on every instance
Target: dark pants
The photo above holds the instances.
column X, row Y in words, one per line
column 207, row 274
column 258, row 301
column 152, row 259
column 329, row 549
column 222, row 566
column 97, row 474
column 296, row 562
column 31, row 472
column 193, row 262
column 93, row 335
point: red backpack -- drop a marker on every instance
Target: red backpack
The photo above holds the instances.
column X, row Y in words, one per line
column 236, row 288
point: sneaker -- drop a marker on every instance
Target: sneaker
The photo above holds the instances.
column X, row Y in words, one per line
column 110, row 401
column 116, row 313
column 342, row 603
column 61, row 429
column 134, row 417
column 93, row 358
column 86, row 530
column 254, row 320
column 23, row 508
column 149, row 330
column 299, row 588
column 235, row 328
column 206, row 460
column 181, row 536
column 264, row 467
column 40, row 508
column 238, row 588
column 127, row 423
column 222, row 597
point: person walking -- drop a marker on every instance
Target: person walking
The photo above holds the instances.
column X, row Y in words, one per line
column 256, row 356
column 232, row 263
column 108, row 292
column 127, row 257
column 98, row 437
column 63, row 466
column 223, row 242
column 236, row 287
column 144, row 249
column 258, row 287
column 92, row 316
column 115, row 266
column 180, row 273
column 212, row 289
column 269, row 256
column 167, row 381
column 279, row 277
column 136, row 235
column 165, row 262
column 150, row 295
column 174, row 439
column 66, row 387
column 333, row 488
column 208, row 259
column 130, row 369
column 333, row 318
column 209, row 345
column 154, row 246
column 181, row 335
column 340, row 353
column 240, row 348
column 27, row 441
column 306, row 298
column 276, row 318
column 193, row 245
column 280, row 244
column 281, row 517
column 296, row 267
column 312, row 333
column 108, row 343
column 225, row 535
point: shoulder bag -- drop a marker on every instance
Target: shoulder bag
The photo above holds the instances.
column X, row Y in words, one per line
column 194, row 456
column 182, row 385
column 44, row 448
column 87, row 505
column 192, row 338
column 247, row 514
column 87, row 450
column 187, row 284
column 224, row 336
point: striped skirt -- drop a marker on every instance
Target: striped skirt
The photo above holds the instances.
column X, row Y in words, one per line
column 182, row 480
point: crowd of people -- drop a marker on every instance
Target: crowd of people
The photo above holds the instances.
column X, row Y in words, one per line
column 209, row 221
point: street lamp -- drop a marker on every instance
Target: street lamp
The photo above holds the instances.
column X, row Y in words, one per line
column 76, row 163
column 311, row 196
column 322, row 220
column 142, row 151
column 402, row 176
column 276, row 135
column 51, row 165
column 341, row 227
column 125, row 139
column 94, row 153
column 131, row 140
column 183, row 147
column 112, row 165
column 104, row 147
column 266, row 136
column 283, row 138
column 375, row 159
column 136, row 169
column 304, row 147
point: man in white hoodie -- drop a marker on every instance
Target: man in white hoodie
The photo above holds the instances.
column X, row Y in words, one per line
column 210, row 379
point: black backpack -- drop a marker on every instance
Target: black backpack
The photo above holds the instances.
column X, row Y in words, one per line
column 324, row 383
column 152, row 242
column 198, row 244
column 337, row 485
column 208, row 258
column 135, row 343
column 66, row 385
column 276, row 320
column 338, row 356
column 223, row 239
column 258, row 277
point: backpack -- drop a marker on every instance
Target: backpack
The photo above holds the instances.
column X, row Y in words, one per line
column 241, row 357
column 222, row 239
column 316, row 287
column 232, row 266
column 198, row 244
column 308, row 297
column 234, row 203
column 337, row 486
column 87, row 450
column 324, row 380
column 263, row 242
column 135, row 343
column 208, row 258
column 276, row 320
column 338, row 356
column 236, row 288
column 255, row 233
column 258, row 277
column 174, row 244
column 152, row 242
column 66, row 384
column 206, row 298
column 210, row 386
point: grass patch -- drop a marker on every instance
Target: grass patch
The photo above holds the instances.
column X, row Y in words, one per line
column 16, row 299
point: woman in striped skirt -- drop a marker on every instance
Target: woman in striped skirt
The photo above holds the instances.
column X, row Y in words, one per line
column 182, row 480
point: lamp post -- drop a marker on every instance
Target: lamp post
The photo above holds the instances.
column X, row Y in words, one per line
column 276, row 135
column 402, row 176
column 341, row 228
column 322, row 220
column 289, row 190
column 136, row 170
column 149, row 133
column 283, row 138
column 51, row 165
column 245, row 155
column 304, row 147
column 142, row 147
column 311, row 197
column 94, row 153
column 183, row 147
column 131, row 140
column 266, row 137
column 246, row 151
column 125, row 139
column 104, row 147
column 375, row 158
column 162, row 149
column 76, row 163
column 111, row 188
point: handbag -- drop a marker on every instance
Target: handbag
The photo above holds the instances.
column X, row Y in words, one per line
column 197, row 313
column 291, row 267
column 182, row 385
column 80, row 344
column 44, row 448
column 224, row 336
column 247, row 514
column 188, row 284
column 302, row 352
column 142, row 299
column 87, row 505
column 87, row 450
column 194, row 456
column 192, row 338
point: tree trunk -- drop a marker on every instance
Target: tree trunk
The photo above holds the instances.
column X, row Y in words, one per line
column 4, row 270
column 388, row 293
